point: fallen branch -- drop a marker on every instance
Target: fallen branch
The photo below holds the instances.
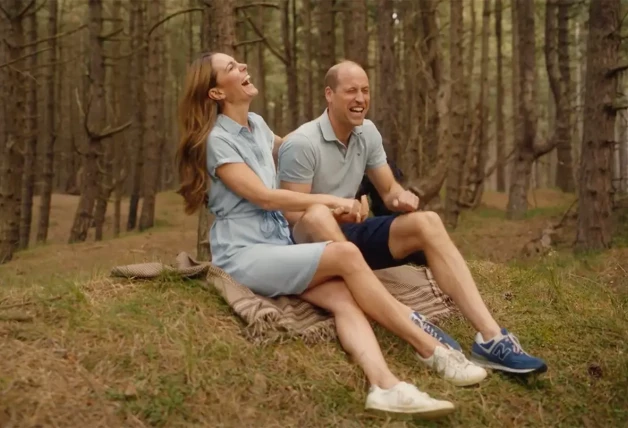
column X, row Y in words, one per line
column 16, row 317
column 30, row 302
column 543, row 243
column 263, row 3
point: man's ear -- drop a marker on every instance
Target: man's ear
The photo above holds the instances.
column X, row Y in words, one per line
column 216, row 94
column 328, row 93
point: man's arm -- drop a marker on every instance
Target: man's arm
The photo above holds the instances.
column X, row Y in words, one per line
column 296, row 164
column 294, row 216
column 384, row 181
column 381, row 176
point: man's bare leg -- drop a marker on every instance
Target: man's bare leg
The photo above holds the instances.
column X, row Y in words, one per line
column 425, row 231
column 410, row 233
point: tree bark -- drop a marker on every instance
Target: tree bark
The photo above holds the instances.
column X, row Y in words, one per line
column 30, row 139
column 138, row 97
column 217, row 38
column 94, row 121
column 499, row 103
column 327, row 45
column 152, row 137
column 51, row 127
column 12, row 161
column 386, row 98
column 594, row 230
column 291, row 65
column 564, row 170
column 308, row 95
column 356, row 35
column 457, row 108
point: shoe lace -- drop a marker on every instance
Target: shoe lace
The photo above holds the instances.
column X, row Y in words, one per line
column 406, row 393
column 516, row 346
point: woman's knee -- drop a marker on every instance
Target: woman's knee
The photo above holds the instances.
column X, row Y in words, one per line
column 345, row 256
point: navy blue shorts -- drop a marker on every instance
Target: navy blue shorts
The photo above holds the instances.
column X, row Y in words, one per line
column 371, row 237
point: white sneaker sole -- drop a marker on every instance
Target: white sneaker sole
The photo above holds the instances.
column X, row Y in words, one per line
column 433, row 412
column 493, row 366
column 468, row 381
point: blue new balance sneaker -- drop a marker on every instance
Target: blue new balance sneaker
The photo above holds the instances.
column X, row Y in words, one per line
column 504, row 352
column 434, row 331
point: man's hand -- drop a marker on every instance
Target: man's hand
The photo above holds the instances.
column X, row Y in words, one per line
column 405, row 201
column 354, row 217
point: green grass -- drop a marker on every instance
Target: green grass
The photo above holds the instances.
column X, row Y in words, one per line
column 168, row 353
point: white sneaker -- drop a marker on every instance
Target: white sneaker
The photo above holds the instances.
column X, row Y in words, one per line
column 454, row 367
column 406, row 398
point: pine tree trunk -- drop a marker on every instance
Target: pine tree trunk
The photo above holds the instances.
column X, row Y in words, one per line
column 564, row 170
column 291, row 66
column 356, row 40
column 457, row 107
column 594, row 230
column 30, row 140
column 51, row 125
column 95, row 111
column 217, row 38
column 499, row 103
column 386, row 98
column 151, row 124
column 327, row 45
column 308, row 98
column 524, row 154
column 12, row 160
column 137, row 129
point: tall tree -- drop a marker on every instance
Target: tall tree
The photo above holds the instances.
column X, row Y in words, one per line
column 529, row 146
column 356, row 36
column 457, row 108
column 138, row 102
column 31, row 133
column 499, row 103
column 220, row 37
column 386, row 88
column 326, row 24
column 562, row 90
column 51, row 126
column 12, row 160
column 595, row 187
column 152, row 137
column 95, row 124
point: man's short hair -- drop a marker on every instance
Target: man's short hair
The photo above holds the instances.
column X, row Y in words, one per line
column 331, row 78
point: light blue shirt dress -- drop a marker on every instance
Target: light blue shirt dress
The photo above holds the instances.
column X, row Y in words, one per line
column 251, row 244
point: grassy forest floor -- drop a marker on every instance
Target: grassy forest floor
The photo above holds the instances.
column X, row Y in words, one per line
column 80, row 349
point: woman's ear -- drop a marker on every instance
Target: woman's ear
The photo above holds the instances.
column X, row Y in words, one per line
column 215, row 94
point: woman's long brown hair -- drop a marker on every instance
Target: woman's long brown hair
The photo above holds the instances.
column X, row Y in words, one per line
column 197, row 115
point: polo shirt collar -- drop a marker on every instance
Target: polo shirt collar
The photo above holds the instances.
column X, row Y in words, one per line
column 231, row 125
column 327, row 130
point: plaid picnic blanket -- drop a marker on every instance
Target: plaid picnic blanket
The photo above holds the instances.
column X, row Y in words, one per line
column 272, row 319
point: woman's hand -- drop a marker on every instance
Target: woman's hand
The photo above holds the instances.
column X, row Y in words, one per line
column 348, row 209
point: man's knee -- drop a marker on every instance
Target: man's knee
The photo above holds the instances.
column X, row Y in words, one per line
column 317, row 215
column 416, row 231
column 317, row 224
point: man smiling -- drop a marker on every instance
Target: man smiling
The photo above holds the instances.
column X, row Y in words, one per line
column 330, row 155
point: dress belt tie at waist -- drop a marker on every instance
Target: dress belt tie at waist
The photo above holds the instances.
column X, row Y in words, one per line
column 273, row 222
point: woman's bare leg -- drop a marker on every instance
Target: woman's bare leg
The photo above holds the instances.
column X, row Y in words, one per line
column 354, row 330
column 343, row 259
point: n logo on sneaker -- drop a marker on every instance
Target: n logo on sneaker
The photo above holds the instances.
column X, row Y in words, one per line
column 501, row 351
